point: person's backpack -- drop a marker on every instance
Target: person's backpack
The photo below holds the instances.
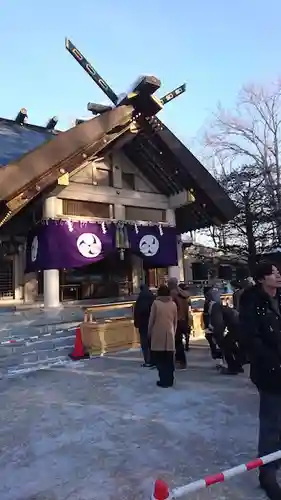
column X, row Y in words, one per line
column 229, row 315
column 230, row 318
column 232, row 323
column 210, row 328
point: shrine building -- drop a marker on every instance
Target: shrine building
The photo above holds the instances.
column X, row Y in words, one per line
column 96, row 210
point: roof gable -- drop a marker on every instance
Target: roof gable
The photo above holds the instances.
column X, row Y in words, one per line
column 171, row 167
column 153, row 148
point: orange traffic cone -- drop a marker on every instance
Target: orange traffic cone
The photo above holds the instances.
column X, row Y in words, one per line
column 161, row 491
column 78, row 351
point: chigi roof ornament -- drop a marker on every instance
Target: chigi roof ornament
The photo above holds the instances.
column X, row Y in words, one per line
column 141, row 93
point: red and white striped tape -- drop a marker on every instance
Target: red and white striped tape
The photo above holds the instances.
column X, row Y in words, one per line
column 215, row 478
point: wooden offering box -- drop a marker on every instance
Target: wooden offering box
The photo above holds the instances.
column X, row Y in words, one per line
column 112, row 332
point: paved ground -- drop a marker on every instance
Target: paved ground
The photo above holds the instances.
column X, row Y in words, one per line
column 102, row 430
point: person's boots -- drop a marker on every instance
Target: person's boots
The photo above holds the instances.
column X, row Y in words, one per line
column 181, row 365
column 268, row 483
column 187, row 340
column 225, row 370
column 233, row 370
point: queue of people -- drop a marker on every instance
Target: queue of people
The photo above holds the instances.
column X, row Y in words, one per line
column 248, row 332
column 221, row 325
column 164, row 324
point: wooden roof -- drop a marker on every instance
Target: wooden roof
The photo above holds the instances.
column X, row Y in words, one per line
column 171, row 167
column 33, row 159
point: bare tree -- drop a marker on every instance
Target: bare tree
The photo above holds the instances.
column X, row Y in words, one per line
column 250, row 232
column 251, row 135
column 217, row 236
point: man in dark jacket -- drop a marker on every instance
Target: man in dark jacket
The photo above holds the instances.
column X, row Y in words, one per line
column 141, row 318
column 188, row 319
column 208, row 318
column 181, row 299
column 238, row 290
column 221, row 333
column 260, row 319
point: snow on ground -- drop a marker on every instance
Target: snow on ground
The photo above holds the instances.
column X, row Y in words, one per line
column 102, row 430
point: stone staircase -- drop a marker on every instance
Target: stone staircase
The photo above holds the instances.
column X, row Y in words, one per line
column 34, row 339
column 37, row 350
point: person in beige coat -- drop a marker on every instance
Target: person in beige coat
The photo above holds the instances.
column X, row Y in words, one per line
column 161, row 330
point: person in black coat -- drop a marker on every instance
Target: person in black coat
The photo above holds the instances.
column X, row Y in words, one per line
column 208, row 317
column 141, row 318
column 236, row 295
column 260, row 320
column 222, row 332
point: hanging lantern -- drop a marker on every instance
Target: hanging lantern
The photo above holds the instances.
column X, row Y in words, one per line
column 121, row 239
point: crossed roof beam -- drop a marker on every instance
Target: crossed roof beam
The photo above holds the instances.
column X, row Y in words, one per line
column 141, row 93
column 146, row 105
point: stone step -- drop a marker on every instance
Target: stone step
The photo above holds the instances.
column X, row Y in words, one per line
column 51, row 342
column 28, row 346
column 23, row 328
column 35, row 366
column 43, row 318
column 34, row 334
column 57, row 328
column 40, row 344
column 33, row 357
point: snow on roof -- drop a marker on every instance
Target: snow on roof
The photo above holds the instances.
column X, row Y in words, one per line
column 17, row 140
